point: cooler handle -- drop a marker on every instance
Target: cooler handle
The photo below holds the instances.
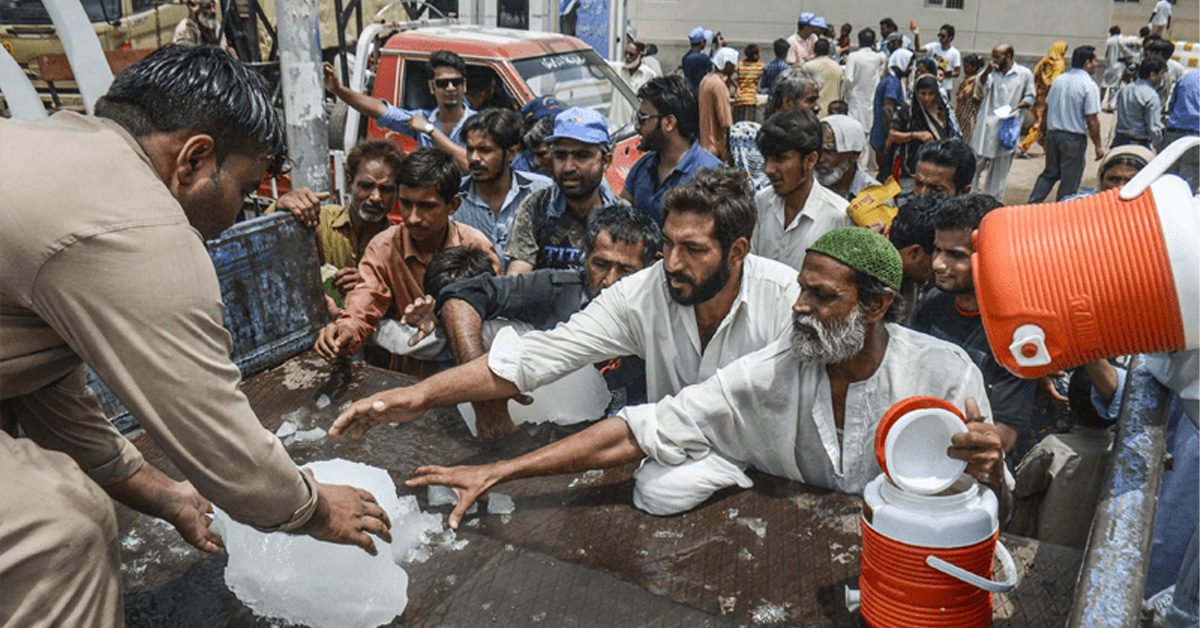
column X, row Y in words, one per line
column 1157, row 167
column 954, row 571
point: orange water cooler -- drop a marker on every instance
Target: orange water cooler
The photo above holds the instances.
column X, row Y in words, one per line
column 929, row 531
column 1060, row 284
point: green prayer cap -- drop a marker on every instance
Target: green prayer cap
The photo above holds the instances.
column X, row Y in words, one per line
column 864, row 251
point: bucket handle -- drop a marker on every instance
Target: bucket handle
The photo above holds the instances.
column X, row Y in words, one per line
column 954, row 571
column 1157, row 166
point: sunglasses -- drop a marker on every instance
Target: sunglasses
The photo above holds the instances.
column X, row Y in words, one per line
column 643, row 118
column 443, row 83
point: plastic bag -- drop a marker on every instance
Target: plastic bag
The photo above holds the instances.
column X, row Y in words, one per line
column 1010, row 132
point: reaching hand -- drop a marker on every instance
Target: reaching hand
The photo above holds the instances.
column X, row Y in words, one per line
column 334, row 341
column 981, row 447
column 188, row 511
column 346, row 515
column 469, row 483
column 1046, row 382
column 422, row 315
column 304, row 204
column 398, row 405
column 332, row 84
column 1099, row 153
column 345, row 279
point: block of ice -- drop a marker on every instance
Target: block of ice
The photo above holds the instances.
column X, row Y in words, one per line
column 305, row 581
column 579, row 396
column 445, row 496
column 309, row 435
column 412, row 531
column 287, row 428
column 500, row 504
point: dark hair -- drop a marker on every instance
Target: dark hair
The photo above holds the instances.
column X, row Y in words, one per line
column 951, row 153
column 502, row 125
column 201, row 88
column 1114, row 30
column 781, row 48
column 962, row 213
column 872, row 291
column 790, row 130
column 722, row 192
column 821, row 48
column 949, row 28
column 973, row 60
column 751, row 52
column 913, row 224
column 1126, row 159
column 1079, row 397
column 672, row 96
column 537, row 134
column 1162, row 47
column 1150, row 66
column 447, row 59
column 627, row 225
column 928, row 64
column 838, row 107
column 367, row 151
column 866, row 38
column 454, row 264
column 430, row 167
column 1082, row 55
column 1144, row 32
column 888, row 22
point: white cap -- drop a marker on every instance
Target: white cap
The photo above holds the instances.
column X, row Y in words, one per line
column 724, row 56
column 848, row 133
column 900, row 58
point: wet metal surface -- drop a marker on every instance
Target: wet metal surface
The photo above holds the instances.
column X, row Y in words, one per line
column 575, row 552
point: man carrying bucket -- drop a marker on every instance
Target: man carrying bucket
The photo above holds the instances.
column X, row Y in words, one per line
column 803, row 407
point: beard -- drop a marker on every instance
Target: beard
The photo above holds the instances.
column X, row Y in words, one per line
column 814, row 341
column 652, row 141
column 371, row 212
column 829, row 176
column 702, row 291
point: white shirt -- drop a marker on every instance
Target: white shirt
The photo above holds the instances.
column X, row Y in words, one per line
column 637, row 316
column 775, row 413
column 949, row 60
column 823, row 211
column 1162, row 13
column 864, row 67
column 1010, row 88
column 621, row 110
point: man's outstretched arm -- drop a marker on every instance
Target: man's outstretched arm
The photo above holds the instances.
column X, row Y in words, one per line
column 609, row 443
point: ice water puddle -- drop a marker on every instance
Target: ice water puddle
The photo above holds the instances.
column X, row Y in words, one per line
column 305, row 581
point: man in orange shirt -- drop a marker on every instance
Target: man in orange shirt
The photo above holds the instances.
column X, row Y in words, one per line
column 716, row 112
column 392, row 269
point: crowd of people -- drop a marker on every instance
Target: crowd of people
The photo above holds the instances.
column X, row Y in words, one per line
column 742, row 311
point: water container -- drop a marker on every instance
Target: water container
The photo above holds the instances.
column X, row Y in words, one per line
column 927, row 555
column 1060, row 284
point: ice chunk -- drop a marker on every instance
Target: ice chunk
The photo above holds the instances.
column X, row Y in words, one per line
column 309, row 435
column 577, row 397
column 758, row 526
column 588, row 477
column 304, row 581
column 412, row 531
column 769, row 615
column 287, row 428
column 500, row 504
column 441, row 495
column 323, row 402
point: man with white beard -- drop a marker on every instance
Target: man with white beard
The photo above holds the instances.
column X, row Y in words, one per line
column 843, row 141
column 804, row 408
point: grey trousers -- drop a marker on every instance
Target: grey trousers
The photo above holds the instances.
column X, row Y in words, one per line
column 1066, row 154
column 1188, row 166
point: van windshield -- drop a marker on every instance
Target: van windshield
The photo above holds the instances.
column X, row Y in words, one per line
column 34, row 12
column 582, row 79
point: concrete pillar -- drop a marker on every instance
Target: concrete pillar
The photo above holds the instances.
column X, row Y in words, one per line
column 298, row 28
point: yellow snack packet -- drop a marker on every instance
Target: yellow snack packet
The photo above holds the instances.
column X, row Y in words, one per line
column 870, row 206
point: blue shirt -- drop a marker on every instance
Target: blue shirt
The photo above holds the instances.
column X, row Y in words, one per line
column 644, row 187
column 523, row 162
column 474, row 211
column 397, row 119
column 889, row 88
column 771, row 74
column 1139, row 112
column 1185, row 104
column 695, row 66
column 1073, row 96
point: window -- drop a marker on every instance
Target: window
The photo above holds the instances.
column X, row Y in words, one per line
column 945, row 4
column 33, row 12
column 484, row 87
column 581, row 79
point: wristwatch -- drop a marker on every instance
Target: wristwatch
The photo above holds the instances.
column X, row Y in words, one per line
column 428, row 128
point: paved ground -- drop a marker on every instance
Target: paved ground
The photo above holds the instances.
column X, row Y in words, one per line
column 1025, row 171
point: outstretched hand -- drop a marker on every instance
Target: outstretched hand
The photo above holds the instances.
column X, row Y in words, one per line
column 981, row 447
column 349, row 516
column 468, row 482
column 189, row 512
column 420, row 314
column 398, row 405
column 304, row 204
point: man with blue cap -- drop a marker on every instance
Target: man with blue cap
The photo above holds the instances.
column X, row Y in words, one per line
column 549, row 229
column 695, row 63
column 536, row 132
column 802, row 41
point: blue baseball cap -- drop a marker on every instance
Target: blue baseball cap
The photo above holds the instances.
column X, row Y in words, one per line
column 699, row 34
column 539, row 108
column 806, row 17
column 818, row 22
column 584, row 125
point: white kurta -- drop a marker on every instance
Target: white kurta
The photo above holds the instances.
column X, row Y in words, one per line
column 637, row 316
column 773, row 412
column 823, row 212
column 1010, row 88
column 1114, row 49
column 864, row 67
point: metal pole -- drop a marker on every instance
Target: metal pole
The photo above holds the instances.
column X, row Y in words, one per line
column 88, row 63
column 1109, row 590
column 303, row 94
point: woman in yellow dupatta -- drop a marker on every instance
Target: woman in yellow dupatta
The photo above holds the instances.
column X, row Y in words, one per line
column 1044, row 74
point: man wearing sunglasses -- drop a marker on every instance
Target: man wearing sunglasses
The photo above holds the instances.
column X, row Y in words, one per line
column 668, row 123
column 439, row 127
